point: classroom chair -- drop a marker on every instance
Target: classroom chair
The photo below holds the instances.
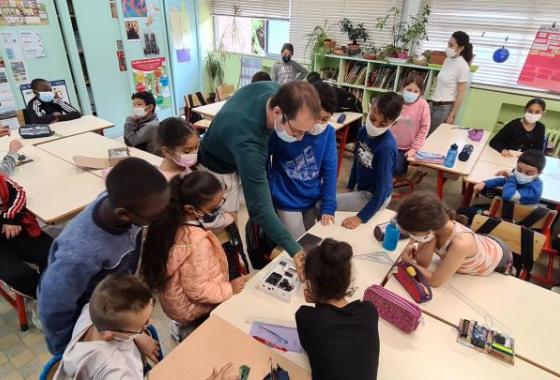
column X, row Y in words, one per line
column 540, row 221
column 514, row 236
column 18, row 302
column 193, row 100
column 50, row 368
column 553, row 139
column 224, row 91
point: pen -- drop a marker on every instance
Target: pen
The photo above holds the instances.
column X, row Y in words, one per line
column 275, row 334
column 270, row 344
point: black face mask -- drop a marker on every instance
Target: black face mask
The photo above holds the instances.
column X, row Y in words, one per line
column 209, row 217
column 286, row 59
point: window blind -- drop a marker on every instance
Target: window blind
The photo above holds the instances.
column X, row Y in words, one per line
column 269, row 9
column 306, row 14
column 489, row 23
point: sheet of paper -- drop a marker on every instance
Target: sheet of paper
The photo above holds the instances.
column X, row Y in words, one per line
column 32, row 44
column 282, row 336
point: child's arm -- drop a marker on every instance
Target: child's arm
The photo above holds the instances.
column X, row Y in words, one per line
column 329, row 167
column 35, row 115
column 8, row 164
column 195, row 281
column 494, row 182
column 383, row 172
column 16, row 203
column 134, row 136
column 301, row 72
column 353, row 178
column 498, row 141
column 531, row 193
column 274, row 73
column 68, row 112
column 509, row 188
column 424, row 128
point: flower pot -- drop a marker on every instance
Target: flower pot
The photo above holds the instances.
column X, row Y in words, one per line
column 369, row 56
column 329, row 44
column 402, row 54
column 437, row 57
column 354, row 49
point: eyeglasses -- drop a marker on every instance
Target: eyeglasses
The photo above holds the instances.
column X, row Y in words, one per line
column 295, row 132
column 136, row 333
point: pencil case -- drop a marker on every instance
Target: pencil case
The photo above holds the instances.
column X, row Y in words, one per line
column 33, row 131
column 399, row 312
column 414, row 282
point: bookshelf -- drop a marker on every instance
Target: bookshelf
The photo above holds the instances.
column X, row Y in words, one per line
column 365, row 78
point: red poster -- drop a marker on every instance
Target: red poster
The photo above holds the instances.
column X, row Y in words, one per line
column 542, row 67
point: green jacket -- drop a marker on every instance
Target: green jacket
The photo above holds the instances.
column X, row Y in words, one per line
column 237, row 142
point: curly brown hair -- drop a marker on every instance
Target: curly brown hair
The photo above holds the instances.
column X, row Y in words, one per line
column 423, row 211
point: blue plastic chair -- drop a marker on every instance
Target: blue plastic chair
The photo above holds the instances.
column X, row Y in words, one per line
column 50, row 368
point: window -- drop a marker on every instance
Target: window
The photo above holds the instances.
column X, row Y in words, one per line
column 247, row 35
column 488, row 24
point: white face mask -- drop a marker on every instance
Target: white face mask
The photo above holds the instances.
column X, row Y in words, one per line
column 422, row 239
column 373, row 131
column 139, row 112
column 318, row 129
column 409, row 97
column 532, row 117
column 522, row 178
column 450, row 53
column 282, row 134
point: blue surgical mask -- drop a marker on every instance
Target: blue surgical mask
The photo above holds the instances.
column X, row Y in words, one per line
column 46, row 96
column 522, row 178
column 282, row 134
column 286, row 59
column 409, row 97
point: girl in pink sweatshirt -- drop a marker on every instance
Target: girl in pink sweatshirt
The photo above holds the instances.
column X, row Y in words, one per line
column 183, row 261
column 414, row 123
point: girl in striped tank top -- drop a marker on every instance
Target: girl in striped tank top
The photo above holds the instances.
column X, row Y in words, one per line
column 432, row 229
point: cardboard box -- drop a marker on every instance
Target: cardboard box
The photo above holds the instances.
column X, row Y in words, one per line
column 114, row 156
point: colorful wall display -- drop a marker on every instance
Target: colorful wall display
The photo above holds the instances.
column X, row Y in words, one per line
column 19, row 12
column 542, row 66
column 134, row 8
column 152, row 75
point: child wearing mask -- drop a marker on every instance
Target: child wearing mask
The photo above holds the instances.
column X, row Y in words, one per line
column 45, row 107
column 287, row 70
column 140, row 128
column 179, row 146
column 302, row 174
column 341, row 338
column 374, row 162
column 432, row 229
column 526, row 133
column 183, row 261
column 412, row 128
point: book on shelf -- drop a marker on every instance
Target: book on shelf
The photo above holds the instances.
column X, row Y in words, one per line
column 353, row 71
column 409, row 71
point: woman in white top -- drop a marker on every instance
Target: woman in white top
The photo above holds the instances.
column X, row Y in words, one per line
column 451, row 81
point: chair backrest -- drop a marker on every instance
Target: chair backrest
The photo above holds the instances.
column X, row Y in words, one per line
column 520, row 212
column 553, row 138
column 225, row 91
column 49, row 370
column 193, row 100
column 511, row 234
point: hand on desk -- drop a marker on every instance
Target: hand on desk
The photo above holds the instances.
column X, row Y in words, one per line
column 327, row 219
column 227, row 372
column 10, row 230
column 479, row 187
column 506, row 153
column 450, row 119
column 238, row 284
column 15, row 146
column 409, row 253
column 5, row 131
column 352, row 222
column 410, row 154
column 503, row 173
column 148, row 347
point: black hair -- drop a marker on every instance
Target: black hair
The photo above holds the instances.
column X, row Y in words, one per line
column 132, row 181
column 328, row 267
column 287, row 46
column 195, row 189
column 36, row 82
column 538, row 101
column 389, row 104
column 261, row 76
column 113, row 297
column 534, row 158
column 423, row 211
column 463, row 40
column 146, row 96
column 416, row 79
column 329, row 102
column 294, row 96
column 313, row 77
column 173, row 132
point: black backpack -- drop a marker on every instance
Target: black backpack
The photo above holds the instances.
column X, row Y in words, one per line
column 259, row 245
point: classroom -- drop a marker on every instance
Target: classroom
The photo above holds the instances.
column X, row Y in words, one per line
column 287, row 189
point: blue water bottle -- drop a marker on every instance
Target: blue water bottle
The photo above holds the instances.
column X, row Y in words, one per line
column 451, row 156
column 392, row 235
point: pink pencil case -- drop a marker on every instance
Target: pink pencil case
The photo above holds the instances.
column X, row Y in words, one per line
column 393, row 308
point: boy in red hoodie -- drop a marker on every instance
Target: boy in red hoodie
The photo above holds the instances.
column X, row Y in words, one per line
column 21, row 240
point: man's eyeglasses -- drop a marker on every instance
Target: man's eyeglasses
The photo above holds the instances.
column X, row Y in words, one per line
column 295, row 132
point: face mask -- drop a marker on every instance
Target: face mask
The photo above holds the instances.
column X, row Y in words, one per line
column 450, row 52
column 286, row 59
column 409, row 97
column 125, row 338
column 422, row 239
column 522, row 178
column 46, row 96
column 532, row 117
column 318, row 129
column 373, row 131
column 185, row 160
column 139, row 112
column 283, row 135
column 214, row 220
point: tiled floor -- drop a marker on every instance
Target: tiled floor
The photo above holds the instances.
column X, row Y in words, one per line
column 22, row 354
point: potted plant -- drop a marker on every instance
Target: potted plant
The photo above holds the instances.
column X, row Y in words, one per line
column 318, row 43
column 215, row 72
column 354, row 34
column 414, row 31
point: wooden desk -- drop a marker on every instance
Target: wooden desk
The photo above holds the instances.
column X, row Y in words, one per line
column 94, row 145
column 5, row 141
column 440, row 141
column 55, row 188
column 87, row 123
column 493, row 156
column 527, row 312
column 216, row 343
column 209, row 111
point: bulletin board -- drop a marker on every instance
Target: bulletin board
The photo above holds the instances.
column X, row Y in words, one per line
column 542, row 67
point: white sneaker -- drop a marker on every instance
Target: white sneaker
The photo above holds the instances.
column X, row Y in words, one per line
column 32, row 309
